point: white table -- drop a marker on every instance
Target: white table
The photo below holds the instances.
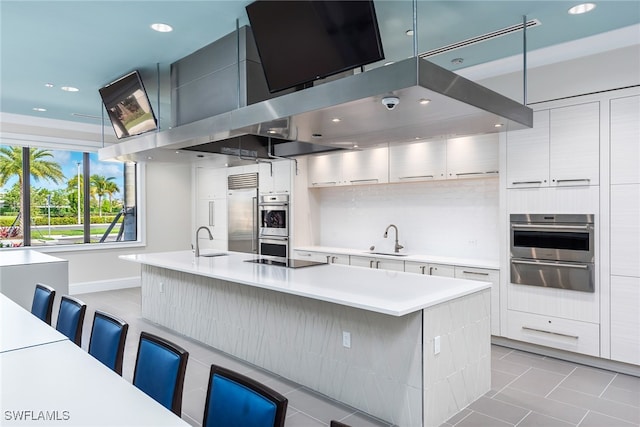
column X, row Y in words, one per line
column 21, row 329
column 62, row 381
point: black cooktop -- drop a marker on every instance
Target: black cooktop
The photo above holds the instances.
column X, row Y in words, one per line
column 285, row 262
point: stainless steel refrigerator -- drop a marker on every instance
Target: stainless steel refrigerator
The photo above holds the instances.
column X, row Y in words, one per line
column 242, row 210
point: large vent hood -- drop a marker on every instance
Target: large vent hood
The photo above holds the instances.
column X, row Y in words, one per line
column 309, row 118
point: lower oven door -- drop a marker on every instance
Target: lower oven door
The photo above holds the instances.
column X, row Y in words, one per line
column 275, row 247
column 575, row 276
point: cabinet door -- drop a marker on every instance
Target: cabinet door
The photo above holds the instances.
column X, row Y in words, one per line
column 472, row 156
column 211, row 183
column 366, row 166
column 266, row 178
column 625, row 230
column 419, row 161
column 338, row 259
column 325, row 170
column 528, row 154
column 625, row 134
column 625, row 320
column 212, row 214
column 485, row 275
column 441, row 270
column 390, row 264
column 574, row 151
column 362, row 261
column 312, row 256
column 282, row 176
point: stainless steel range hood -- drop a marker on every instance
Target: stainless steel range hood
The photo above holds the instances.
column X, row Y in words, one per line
column 457, row 106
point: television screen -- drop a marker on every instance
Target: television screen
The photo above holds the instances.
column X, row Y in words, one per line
column 305, row 40
column 128, row 106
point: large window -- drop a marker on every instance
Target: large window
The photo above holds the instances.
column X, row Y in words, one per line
column 58, row 197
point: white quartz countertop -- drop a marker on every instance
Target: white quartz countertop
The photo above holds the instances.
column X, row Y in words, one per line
column 388, row 292
column 407, row 256
column 26, row 257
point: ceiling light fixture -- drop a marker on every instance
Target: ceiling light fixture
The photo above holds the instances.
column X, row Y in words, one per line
column 162, row 28
column 335, row 120
column 70, row 89
column 409, row 32
column 457, row 61
column 39, row 109
column 355, row 145
column 498, row 125
column 581, row 8
column 48, row 85
column 424, row 101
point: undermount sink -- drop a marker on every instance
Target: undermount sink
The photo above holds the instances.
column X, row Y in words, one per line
column 387, row 253
column 214, row 254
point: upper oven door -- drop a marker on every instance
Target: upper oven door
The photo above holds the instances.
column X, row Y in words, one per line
column 274, row 220
column 553, row 241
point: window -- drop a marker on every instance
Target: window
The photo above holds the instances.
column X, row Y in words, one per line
column 71, row 198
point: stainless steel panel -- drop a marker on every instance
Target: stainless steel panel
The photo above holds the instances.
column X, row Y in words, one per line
column 242, row 220
column 562, row 275
column 552, row 218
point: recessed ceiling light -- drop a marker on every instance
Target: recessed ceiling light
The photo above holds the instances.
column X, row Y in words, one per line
column 424, row 101
column 355, row 145
column 149, row 158
column 162, row 28
column 409, row 32
column 69, row 89
column 581, row 8
column 498, row 125
column 48, row 85
column 271, row 131
column 335, row 120
column 39, row 109
column 457, row 61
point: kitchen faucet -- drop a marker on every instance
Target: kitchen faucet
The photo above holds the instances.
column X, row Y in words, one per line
column 386, row 233
column 198, row 244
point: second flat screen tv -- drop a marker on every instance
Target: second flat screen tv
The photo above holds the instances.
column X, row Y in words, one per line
column 305, row 40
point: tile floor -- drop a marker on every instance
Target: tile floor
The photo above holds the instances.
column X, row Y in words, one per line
column 527, row 389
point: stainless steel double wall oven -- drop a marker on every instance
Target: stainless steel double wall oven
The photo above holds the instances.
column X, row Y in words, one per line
column 555, row 251
column 274, row 225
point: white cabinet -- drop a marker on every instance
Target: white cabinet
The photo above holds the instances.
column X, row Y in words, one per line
column 366, row 166
column 211, row 183
column 625, row 140
column 325, row 170
column 329, row 258
column 418, row 161
column 429, row 269
column 562, row 149
column 275, row 177
column 625, row 319
column 472, row 156
column 379, row 263
column 211, row 207
column 493, row 277
column 625, row 230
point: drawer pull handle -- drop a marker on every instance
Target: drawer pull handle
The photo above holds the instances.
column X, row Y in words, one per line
column 415, row 177
column 527, row 328
column 479, row 273
column 324, row 183
column 355, row 181
column 303, row 254
column 469, row 173
column 551, row 264
column 573, row 180
column 526, row 182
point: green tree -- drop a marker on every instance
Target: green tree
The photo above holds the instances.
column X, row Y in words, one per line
column 101, row 186
column 111, row 189
column 41, row 167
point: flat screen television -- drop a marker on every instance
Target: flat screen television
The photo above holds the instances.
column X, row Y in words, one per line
column 128, row 106
column 305, row 40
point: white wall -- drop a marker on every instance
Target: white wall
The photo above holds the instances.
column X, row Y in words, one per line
column 457, row 218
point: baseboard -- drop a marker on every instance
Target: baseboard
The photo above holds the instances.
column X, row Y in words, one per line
column 104, row 285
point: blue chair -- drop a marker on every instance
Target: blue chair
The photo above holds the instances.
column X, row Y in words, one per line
column 236, row 400
column 42, row 305
column 108, row 335
column 71, row 318
column 160, row 369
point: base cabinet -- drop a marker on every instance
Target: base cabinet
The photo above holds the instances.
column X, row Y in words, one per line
column 323, row 257
column 493, row 277
column 379, row 263
column 625, row 319
column 429, row 269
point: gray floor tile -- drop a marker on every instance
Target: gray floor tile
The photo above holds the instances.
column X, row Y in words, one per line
column 626, row 382
column 588, row 380
column 552, row 408
column 299, row 419
column 193, row 403
column 459, row 416
column 545, row 363
column 537, row 381
column 362, row 420
column 508, row 367
column 499, row 351
column 534, row 419
column 476, row 419
column 191, row 421
column 588, row 401
column 316, row 406
column 629, row 397
column 499, row 379
column 498, row 409
column 594, row 419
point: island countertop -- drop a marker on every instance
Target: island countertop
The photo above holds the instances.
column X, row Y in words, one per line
column 388, row 292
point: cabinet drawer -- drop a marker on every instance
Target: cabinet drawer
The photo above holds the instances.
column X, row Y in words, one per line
column 563, row 334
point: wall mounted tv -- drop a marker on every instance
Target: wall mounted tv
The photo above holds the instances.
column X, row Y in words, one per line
column 128, row 106
column 305, row 40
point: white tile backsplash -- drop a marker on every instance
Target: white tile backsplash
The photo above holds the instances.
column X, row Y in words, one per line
column 457, row 218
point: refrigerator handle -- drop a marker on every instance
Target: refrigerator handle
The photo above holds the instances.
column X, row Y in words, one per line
column 254, row 234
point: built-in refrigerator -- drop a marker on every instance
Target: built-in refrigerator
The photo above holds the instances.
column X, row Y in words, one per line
column 242, row 209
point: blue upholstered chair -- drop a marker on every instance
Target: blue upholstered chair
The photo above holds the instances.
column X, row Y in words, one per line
column 71, row 318
column 236, row 400
column 160, row 369
column 108, row 335
column 42, row 305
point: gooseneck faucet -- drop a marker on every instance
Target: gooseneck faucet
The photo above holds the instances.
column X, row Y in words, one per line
column 197, row 243
column 397, row 246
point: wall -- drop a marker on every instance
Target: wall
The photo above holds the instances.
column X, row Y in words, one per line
column 457, row 218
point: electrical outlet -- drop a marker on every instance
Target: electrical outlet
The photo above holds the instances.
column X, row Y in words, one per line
column 436, row 345
column 161, row 287
column 346, row 339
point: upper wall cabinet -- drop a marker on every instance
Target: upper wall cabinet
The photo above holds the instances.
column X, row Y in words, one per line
column 472, row 156
column 418, row 161
column 562, row 148
column 275, row 177
column 625, row 140
column 211, row 183
column 350, row 168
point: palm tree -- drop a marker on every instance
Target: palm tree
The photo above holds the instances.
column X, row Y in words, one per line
column 101, row 186
column 39, row 167
column 111, row 189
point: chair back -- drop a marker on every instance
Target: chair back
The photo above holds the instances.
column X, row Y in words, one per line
column 236, row 400
column 108, row 335
column 335, row 423
column 71, row 318
column 42, row 305
column 160, row 369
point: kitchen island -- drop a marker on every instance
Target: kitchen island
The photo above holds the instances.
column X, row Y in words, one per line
column 412, row 350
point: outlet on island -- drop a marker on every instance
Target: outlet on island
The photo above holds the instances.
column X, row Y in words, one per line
column 346, row 339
